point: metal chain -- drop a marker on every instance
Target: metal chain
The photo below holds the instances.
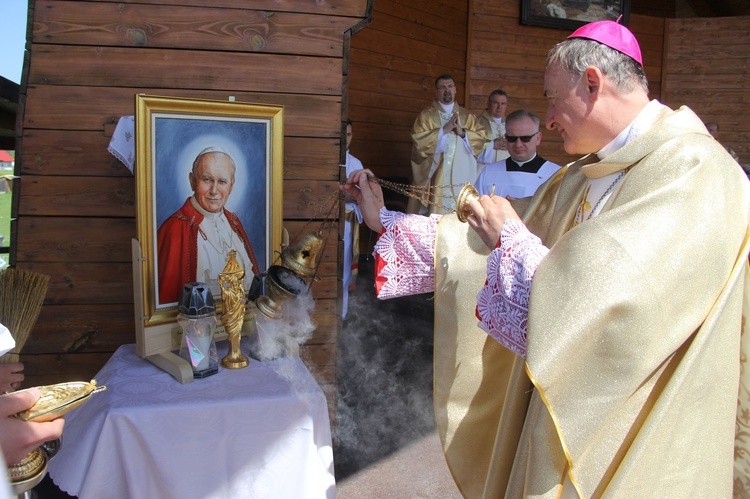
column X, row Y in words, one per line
column 422, row 193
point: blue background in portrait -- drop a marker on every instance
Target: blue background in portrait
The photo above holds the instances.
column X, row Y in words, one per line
column 177, row 141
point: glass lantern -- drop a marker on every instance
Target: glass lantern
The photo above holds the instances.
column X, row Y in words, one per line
column 197, row 318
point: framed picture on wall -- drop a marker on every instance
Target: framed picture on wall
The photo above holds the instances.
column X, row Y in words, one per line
column 208, row 181
column 571, row 14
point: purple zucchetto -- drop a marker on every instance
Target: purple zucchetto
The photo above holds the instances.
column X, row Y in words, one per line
column 613, row 35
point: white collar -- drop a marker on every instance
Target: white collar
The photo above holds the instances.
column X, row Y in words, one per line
column 524, row 162
column 447, row 107
column 206, row 214
column 641, row 124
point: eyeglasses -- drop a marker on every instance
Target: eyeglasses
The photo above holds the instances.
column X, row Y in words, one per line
column 524, row 138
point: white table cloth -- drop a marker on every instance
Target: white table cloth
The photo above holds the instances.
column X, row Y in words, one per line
column 258, row 432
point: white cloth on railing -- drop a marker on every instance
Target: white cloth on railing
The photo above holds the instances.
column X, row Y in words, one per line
column 122, row 145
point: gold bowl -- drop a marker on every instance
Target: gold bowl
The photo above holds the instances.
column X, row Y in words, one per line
column 467, row 194
column 30, row 468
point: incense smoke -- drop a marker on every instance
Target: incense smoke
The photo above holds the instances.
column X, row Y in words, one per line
column 384, row 375
column 282, row 337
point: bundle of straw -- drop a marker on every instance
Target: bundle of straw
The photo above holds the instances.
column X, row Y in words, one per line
column 21, row 296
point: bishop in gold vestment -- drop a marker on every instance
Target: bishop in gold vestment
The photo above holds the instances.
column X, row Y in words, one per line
column 626, row 375
column 634, row 363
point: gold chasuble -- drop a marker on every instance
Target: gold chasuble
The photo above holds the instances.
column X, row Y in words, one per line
column 634, row 354
column 456, row 165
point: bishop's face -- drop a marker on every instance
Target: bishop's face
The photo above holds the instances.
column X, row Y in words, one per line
column 212, row 181
column 568, row 110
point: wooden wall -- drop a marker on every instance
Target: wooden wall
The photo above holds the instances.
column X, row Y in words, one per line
column 706, row 70
column 393, row 66
column 76, row 205
column 395, row 60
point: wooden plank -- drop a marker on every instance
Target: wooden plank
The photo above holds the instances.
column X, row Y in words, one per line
column 388, row 62
column 417, row 50
column 421, row 88
column 494, row 8
column 166, row 68
column 699, row 81
column 640, row 24
column 436, row 35
column 707, row 66
column 60, row 152
column 511, row 26
column 383, row 116
column 318, row 355
column 451, row 19
column 355, row 8
column 694, row 95
column 77, row 196
column 387, row 133
column 511, row 61
column 690, row 49
column 165, row 26
column 491, row 41
column 515, row 90
column 82, row 328
column 382, row 152
column 310, row 199
column 60, row 368
column 70, row 239
column 310, row 158
column 327, row 330
column 736, row 26
column 79, row 283
column 91, row 108
column 376, row 100
column 716, row 108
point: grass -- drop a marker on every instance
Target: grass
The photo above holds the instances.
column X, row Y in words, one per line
column 5, row 199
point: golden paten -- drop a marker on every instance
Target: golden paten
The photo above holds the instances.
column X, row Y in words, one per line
column 57, row 400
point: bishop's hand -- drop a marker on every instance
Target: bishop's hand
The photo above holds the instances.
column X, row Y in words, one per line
column 362, row 186
column 488, row 216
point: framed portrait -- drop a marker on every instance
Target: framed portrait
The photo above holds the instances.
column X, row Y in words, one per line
column 572, row 14
column 208, row 181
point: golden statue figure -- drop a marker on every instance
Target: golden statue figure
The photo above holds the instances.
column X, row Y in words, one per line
column 233, row 298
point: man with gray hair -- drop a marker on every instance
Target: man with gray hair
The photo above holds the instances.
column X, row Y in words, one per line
column 614, row 363
column 493, row 120
column 524, row 171
column 194, row 243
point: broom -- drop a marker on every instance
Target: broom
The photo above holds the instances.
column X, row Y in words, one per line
column 21, row 295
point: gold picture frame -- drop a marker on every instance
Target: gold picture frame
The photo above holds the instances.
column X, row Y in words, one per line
column 171, row 133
